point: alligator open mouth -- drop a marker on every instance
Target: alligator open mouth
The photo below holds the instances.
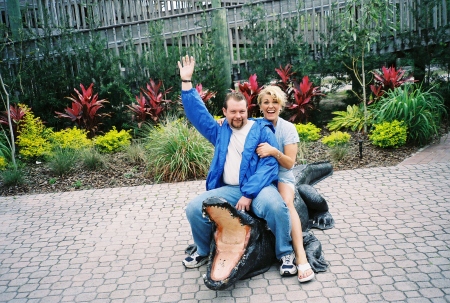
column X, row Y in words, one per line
column 231, row 241
column 239, row 249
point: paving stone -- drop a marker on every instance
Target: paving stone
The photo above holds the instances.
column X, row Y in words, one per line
column 390, row 244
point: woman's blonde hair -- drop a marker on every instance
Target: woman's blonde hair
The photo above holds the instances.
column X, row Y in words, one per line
column 275, row 92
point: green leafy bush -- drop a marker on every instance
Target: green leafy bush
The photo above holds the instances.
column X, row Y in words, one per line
column 308, row 132
column 33, row 137
column 352, row 119
column 336, row 138
column 62, row 160
column 178, row 152
column 71, row 138
column 421, row 111
column 389, row 134
column 113, row 141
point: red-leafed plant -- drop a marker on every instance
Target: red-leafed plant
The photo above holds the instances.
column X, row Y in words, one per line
column 17, row 113
column 250, row 90
column 150, row 103
column 304, row 94
column 205, row 94
column 139, row 110
column 84, row 110
column 388, row 79
column 286, row 82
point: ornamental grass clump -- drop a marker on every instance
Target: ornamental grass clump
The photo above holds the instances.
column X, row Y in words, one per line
column 136, row 153
column 302, row 152
column 178, row 152
column 338, row 143
column 12, row 176
column 113, row 141
column 92, row 159
column 62, row 160
column 307, row 132
column 389, row 134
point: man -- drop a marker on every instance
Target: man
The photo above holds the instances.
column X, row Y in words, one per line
column 237, row 173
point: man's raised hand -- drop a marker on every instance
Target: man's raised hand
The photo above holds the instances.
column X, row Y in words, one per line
column 186, row 67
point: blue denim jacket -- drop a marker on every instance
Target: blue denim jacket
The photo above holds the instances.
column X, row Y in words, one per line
column 254, row 173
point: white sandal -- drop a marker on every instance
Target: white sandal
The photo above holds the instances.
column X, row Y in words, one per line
column 302, row 268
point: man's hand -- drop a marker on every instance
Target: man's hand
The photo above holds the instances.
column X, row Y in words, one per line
column 186, row 67
column 244, row 204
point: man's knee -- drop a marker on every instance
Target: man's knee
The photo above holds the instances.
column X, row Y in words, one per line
column 194, row 208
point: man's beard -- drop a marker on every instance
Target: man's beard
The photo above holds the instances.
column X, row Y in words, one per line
column 237, row 124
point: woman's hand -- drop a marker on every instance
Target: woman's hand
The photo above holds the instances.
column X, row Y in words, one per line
column 265, row 150
column 220, row 121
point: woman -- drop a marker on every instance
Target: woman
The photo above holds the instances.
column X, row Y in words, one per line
column 271, row 101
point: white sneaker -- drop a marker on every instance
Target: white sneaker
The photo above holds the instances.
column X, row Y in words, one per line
column 195, row 260
column 288, row 267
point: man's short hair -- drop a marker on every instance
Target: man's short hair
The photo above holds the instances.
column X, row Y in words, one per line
column 238, row 96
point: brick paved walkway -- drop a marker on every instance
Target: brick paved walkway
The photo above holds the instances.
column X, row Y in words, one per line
column 391, row 243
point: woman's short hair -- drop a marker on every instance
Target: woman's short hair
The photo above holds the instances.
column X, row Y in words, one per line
column 275, row 92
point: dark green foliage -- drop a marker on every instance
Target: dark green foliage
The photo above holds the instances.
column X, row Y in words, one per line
column 421, row 110
column 429, row 44
column 286, row 46
column 208, row 68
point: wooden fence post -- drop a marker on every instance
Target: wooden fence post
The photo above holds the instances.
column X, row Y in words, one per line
column 15, row 18
column 221, row 44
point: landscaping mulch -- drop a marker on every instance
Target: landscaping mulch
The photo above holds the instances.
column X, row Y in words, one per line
column 121, row 173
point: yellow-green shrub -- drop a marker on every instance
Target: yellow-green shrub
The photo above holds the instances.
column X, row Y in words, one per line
column 308, row 132
column 3, row 163
column 336, row 138
column 113, row 141
column 33, row 137
column 71, row 138
column 389, row 134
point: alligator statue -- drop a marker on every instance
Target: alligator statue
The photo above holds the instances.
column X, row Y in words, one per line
column 243, row 246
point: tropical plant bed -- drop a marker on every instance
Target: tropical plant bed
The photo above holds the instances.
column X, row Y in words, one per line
column 121, row 173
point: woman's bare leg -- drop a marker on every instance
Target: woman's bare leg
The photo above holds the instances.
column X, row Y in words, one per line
column 287, row 194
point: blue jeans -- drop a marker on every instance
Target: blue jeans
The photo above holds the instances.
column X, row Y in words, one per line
column 267, row 205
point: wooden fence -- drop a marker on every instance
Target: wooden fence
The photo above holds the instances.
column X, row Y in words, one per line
column 184, row 22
